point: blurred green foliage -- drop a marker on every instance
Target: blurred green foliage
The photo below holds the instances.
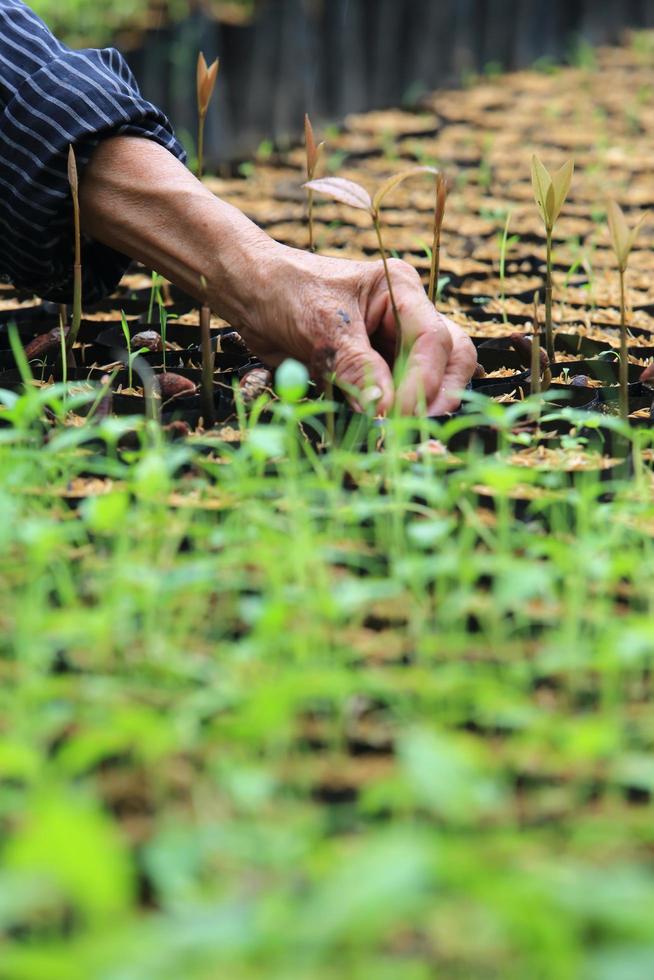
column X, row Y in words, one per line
column 256, row 724
column 92, row 23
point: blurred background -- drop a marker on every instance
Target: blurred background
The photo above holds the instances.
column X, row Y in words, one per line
column 282, row 58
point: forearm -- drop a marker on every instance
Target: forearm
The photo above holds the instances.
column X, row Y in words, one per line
column 140, row 200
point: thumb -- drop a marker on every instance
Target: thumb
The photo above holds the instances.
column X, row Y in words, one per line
column 364, row 374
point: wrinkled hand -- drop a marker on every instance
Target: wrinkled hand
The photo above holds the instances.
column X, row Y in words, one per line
column 138, row 199
column 312, row 304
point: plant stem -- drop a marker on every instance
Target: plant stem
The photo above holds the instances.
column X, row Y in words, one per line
column 153, row 291
column 201, row 119
column 312, row 244
column 535, row 351
column 77, row 286
column 64, row 359
column 207, row 367
column 382, row 250
column 624, row 355
column 439, row 211
column 549, row 336
column 435, row 268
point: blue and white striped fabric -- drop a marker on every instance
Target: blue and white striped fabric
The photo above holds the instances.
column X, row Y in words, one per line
column 52, row 97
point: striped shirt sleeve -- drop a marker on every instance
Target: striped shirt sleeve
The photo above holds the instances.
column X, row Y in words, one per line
column 52, row 97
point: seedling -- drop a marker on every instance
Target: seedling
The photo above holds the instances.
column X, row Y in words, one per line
column 77, row 268
column 622, row 239
column 550, row 192
column 313, row 157
column 206, row 82
column 131, row 355
column 353, row 194
column 439, row 214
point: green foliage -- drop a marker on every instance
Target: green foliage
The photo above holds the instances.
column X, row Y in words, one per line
column 255, row 723
column 92, row 23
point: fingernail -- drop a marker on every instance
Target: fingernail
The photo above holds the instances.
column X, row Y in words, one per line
column 370, row 395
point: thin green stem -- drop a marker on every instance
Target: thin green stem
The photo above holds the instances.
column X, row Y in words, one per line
column 312, row 243
column 549, row 335
column 77, row 285
column 624, row 355
column 201, row 119
column 396, row 315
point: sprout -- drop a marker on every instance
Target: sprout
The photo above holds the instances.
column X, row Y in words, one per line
column 550, row 192
column 313, row 157
column 356, row 196
column 77, row 268
column 623, row 238
column 206, row 82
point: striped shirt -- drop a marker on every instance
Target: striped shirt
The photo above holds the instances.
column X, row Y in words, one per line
column 50, row 98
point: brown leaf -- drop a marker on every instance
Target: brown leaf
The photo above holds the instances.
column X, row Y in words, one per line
column 313, row 152
column 72, row 171
column 206, row 81
column 343, row 191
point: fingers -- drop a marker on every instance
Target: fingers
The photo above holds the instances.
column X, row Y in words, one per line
column 440, row 356
column 460, row 367
column 426, row 338
column 357, row 366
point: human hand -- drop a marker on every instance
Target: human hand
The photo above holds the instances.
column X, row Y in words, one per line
column 311, row 304
column 138, row 199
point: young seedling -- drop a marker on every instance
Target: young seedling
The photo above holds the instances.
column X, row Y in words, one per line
column 355, row 196
column 550, row 192
column 77, row 268
column 131, row 355
column 439, row 214
column 206, row 82
column 206, row 388
column 623, row 238
column 313, row 157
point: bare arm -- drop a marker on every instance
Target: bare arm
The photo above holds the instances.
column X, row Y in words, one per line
column 138, row 199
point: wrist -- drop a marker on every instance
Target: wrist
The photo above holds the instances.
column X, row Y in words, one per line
column 137, row 198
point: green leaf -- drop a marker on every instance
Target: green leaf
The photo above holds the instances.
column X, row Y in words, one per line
column 72, row 846
column 620, row 235
column 396, row 180
column 543, row 190
column 561, row 181
column 343, row 191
